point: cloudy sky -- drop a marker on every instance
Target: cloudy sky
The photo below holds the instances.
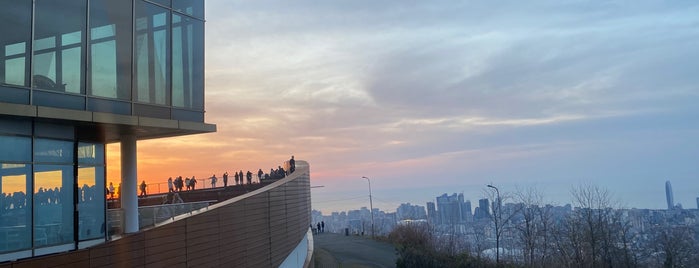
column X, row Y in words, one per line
column 428, row 97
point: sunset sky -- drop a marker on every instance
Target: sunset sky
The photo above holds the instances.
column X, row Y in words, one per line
column 432, row 97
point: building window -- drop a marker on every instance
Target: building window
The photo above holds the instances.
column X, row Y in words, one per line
column 53, row 205
column 91, row 198
column 15, row 205
column 110, row 49
column 53, row 192
column 14, row 44
column 152, row 54
column 187, row 62
column 194, row 8
column 58, row 45
column 15, row 212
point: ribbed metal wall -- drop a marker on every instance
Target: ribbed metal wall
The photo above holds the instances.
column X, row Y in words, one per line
column 259, row 229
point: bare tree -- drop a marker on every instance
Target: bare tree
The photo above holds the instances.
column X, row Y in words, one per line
column 595, row 234
column 500, row 218
column 533, row 227
column 544, row 216
column 677, row 247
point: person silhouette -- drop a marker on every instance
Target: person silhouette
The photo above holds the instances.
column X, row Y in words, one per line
column 292, row 165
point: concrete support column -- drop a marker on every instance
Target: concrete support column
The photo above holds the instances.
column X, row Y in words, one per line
column 129, row 184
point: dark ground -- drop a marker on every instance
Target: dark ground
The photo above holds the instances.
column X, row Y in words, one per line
column 334, row 250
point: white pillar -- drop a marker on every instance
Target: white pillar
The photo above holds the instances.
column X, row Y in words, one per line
column 129, row 184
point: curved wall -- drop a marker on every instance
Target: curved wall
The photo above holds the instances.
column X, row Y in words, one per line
column 258, row 229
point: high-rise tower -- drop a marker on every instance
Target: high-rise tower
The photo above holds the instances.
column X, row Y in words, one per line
column 668, row 195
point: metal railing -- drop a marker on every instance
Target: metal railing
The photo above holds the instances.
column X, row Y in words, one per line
column 205, row 183
column 149, row 216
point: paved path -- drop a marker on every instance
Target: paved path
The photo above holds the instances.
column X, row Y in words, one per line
column 352, row 251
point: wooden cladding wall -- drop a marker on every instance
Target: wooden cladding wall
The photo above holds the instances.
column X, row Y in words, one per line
column 259, row 230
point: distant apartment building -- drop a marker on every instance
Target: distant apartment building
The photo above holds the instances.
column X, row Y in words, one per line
column 483, row 209
column 452, row 209
column 466, row 211
column 432, row 216
column 406, row 211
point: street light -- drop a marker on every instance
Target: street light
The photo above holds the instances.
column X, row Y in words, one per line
column 371, row 207
column 497, row 227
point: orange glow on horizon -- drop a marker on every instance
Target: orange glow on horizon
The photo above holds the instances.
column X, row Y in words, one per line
column 197, row 155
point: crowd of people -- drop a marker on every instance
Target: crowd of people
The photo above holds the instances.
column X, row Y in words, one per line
column 319, row 228
column 239, row 178
column 179, row 183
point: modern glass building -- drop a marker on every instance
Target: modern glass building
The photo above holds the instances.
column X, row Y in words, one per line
column 74, row 76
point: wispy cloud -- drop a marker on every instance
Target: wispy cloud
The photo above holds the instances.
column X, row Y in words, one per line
column 409, row 87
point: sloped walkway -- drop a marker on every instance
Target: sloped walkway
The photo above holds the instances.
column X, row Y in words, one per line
column 335, row 250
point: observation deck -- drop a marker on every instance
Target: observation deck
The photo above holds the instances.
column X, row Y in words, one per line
column 265, row 227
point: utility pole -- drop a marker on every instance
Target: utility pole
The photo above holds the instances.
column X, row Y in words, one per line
column 371, row 208
column 497, row 217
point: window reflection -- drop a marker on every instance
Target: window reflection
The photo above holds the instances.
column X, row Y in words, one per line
column 91, row 198
column 53, row 204
column 152, row 54
column 90, row 153
column 91, row 223
column 110, row 48
column 58, row 46
column 53, row 151
column 14, row 41
column 193, row 8
column 187, row 62
column 14, row 207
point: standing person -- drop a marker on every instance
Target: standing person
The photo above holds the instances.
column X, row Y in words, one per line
column 249, row 177
column 178, row 183
column 242, row 177
column 225, row 179
column 281, row 171
column 213, row 181
column 322, row 226
column 143, row 188
column 111, row 190
column 193, row 181
column 187, row 183
column 259, row 175
column 236, row 178
column 169, row 185
column 292, row 165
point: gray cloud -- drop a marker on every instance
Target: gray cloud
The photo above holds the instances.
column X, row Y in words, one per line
column 382, row 82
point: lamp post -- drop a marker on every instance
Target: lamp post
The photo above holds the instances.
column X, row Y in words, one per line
column 371, row 207
column 496, row 219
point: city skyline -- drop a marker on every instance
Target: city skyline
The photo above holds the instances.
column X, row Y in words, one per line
column 448, row 97
column 473, row 203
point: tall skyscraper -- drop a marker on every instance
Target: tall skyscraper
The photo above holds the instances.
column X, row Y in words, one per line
column 668, row 195
column 484, row 209
column 466, row 212
column 432, row 213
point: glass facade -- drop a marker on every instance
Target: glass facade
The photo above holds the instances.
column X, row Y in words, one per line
column 110, row 49
column 152, row 50
column 131, row 57
column 16, row 41
column 91, row 184
column 38, row 193
column 59, row 45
